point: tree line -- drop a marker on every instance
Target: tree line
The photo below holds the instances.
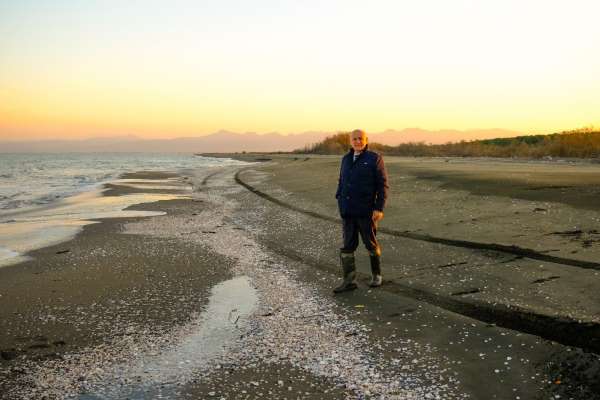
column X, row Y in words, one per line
column 579, row 143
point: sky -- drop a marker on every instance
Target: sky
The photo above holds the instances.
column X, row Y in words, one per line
column 158, row 69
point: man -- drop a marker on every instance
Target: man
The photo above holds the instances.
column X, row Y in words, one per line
column 361, row 194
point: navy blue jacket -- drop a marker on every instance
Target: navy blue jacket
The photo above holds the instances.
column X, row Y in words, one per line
column 362, row 186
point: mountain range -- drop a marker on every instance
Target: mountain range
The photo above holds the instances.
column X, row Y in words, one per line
column 226, row 141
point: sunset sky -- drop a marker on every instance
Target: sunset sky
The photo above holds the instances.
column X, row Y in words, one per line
column 159, row 69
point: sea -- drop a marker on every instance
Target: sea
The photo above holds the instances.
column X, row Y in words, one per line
column 47, row 198
column 40, row 179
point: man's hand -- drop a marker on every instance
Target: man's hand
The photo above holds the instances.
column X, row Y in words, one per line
column 377, row 215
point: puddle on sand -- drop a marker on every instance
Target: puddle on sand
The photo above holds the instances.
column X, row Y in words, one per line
column 160, row 375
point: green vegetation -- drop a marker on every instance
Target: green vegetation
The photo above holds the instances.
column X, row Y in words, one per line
column 579, row 143
column 336, row 144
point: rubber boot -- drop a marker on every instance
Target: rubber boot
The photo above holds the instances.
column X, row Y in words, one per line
column 375, row 269
column 349, row 270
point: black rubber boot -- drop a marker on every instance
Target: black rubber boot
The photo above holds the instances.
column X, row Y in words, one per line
column 375, row 270
column 349, row 269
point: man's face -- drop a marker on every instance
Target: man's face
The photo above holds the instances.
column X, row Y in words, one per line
column 358, row 140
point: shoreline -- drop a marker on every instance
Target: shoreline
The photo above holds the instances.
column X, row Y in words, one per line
column 79, row 303
column 32, row 228
column 223, row 232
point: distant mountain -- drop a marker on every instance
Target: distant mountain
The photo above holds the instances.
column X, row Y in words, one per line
column 393, row 138
column 226, row 141
column 222, row 141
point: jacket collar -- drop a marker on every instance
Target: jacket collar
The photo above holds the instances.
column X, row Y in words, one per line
column 362, row 152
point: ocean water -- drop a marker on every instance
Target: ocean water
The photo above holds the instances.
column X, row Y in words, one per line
column 46, row 199
column 39, row 179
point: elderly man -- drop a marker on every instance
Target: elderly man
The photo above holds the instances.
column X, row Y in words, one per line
column 361, row 194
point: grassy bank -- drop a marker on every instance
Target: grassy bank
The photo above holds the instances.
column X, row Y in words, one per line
column 581, row 143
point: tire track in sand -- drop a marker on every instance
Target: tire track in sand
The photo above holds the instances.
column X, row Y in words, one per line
column 562, row 329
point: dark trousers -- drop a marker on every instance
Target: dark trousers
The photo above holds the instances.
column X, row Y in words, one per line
column 352, row 227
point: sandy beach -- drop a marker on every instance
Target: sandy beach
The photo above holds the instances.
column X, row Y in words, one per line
column 490, row 289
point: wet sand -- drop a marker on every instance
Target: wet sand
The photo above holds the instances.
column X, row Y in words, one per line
column 471, row 239
column 103, row 297
column 554, row 301
column 98, row 288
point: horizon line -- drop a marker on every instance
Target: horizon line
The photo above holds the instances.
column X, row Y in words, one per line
column 133, row 136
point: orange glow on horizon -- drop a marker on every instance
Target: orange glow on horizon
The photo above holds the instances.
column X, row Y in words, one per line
column 184, row 71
